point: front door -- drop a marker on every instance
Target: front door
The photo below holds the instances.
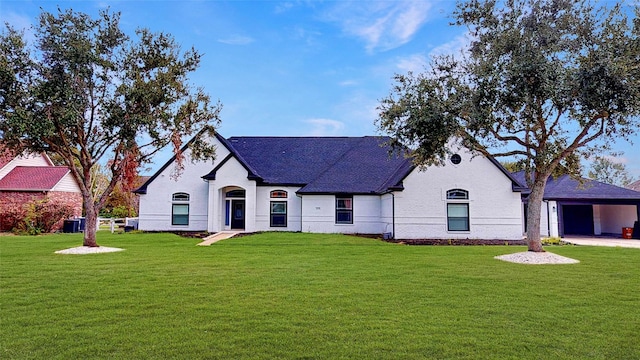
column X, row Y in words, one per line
column 237, row 214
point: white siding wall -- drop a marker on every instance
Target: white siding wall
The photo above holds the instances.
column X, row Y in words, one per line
column 156, row 204
column 263, row 208
column 386, row 213
column 494, row 209
column 67, row 184
column 614, row 217
column 24, row 160
column 319, row 215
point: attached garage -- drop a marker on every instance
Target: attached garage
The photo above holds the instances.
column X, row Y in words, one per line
column 587, row 208
column 577, row 219
column 597, row 217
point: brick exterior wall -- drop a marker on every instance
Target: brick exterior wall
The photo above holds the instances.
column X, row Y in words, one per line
column 10, row 199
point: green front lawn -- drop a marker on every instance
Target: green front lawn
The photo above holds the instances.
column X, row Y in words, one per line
column 311, row 296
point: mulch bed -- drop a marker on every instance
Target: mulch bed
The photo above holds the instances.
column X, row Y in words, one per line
column 453, row 242
column 456, row 242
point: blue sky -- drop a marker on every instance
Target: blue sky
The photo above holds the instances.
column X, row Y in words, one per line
column 294, row 68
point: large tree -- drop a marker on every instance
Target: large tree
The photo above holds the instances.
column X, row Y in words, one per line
column 88, row 93
column 546, row 82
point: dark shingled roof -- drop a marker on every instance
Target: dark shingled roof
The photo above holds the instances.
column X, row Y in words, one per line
column 566, row 188
column 319, row 165
column 323, row 164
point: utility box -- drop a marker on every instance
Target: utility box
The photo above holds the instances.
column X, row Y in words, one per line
column 71, row 226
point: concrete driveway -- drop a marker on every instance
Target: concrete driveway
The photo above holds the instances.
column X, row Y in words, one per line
column 603, row 241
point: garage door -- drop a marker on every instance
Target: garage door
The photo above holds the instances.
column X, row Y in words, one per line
column 577, row 219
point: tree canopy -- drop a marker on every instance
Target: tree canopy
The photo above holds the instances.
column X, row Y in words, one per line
column 545, row 82
column 607, row 171
column 90, row 94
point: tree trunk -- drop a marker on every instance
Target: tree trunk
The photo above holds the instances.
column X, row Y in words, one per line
column 91, row 218
column 534, row 209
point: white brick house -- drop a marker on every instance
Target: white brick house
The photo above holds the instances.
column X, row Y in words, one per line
column 333, row 185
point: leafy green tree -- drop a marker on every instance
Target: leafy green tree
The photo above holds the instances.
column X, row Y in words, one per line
column 89, row 94
column 609, row 172
column 547, row 82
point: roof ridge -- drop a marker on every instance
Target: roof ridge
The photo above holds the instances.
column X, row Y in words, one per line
column 43, row 166
column 297, row 137
column 338, row 159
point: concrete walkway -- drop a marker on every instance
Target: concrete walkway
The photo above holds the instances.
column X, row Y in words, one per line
column 217, row 237
column 603, row 241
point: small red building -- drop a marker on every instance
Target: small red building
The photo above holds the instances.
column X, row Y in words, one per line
column 29, row 177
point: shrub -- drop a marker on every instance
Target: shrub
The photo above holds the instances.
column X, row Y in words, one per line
column 551, row 241
column 121, row 211
column 13, row 214
column 42, row 216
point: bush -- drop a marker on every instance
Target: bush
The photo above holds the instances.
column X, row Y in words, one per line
column 551, row 241
column 13, row 214
column 41, row 216
column 121, row 211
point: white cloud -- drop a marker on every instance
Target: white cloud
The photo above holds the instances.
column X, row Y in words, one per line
column 359, row 109
column 616, row 159
column 20, row 23
column 415, row 63
column 237, row 40
column 382, row 25
column 455, row 47
column 283, row 7
column 348, row 83
column 325, row 127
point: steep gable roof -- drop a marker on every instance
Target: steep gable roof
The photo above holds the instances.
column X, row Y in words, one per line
column 149, row 179
column 33, row 178
column 366, row 167
column 566, row 188
column 319, row 164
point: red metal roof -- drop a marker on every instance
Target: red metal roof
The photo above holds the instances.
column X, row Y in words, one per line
column 33, row 178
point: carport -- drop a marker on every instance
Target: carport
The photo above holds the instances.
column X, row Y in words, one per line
column 596, row 216
column 587, row 208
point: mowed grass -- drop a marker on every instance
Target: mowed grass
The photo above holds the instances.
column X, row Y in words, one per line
column 310, row 296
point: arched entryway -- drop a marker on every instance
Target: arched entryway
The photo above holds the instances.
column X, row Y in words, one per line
column 234, row 208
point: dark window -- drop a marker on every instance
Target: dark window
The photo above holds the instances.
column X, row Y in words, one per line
column 458, row 217
column 456, row 159
column 279, row 194
column 278, row 214
column 458, row 194
column 180, row 197
column 235, row 194
column 180, row 214
column 344, row 210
